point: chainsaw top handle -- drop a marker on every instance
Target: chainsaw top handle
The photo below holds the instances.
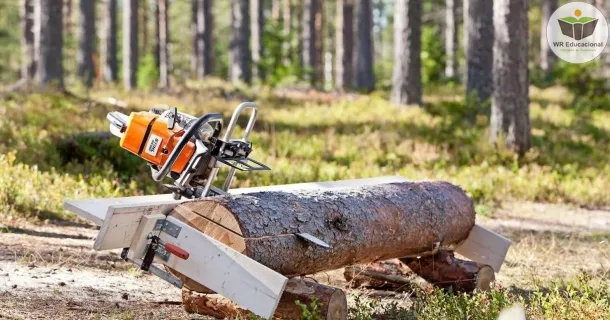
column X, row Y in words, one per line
column 194, row 128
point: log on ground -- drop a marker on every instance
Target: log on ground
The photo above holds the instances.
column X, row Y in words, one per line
column 446, row 271
column 362, row 225
column 331, row 302
column 384, row 275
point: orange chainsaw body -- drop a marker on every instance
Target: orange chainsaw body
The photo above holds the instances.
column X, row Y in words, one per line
column 148, row 137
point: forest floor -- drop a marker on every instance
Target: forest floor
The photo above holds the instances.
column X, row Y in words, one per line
column 49, row 269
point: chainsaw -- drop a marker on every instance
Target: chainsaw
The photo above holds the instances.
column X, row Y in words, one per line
column 186, row 149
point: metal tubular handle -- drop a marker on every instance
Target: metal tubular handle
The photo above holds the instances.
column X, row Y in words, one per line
column 229, row 132
column 159, row 175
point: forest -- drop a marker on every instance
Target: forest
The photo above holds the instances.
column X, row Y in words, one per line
column 464, row 91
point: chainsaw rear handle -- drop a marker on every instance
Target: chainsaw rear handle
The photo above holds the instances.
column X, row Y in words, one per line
column 194, row 128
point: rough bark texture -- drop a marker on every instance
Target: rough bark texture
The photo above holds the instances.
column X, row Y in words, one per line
column 163, row 43
column 451, row 39
column 479, row 54
column 344, row 53
column 510, row 103
column 406, row 77
column 547, row 57
column 108, row 42
column 203, row 46
column 445, row 271
column 239, row 46
column 130, row 43
column 361, row 224
column 28, row 65
column 390, row 275
column 86, row 41
column 331, row 302
column 256, row 40
column 365, row 78
column 48, row 41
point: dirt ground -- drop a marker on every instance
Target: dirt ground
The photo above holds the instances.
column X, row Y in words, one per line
column 48, row 270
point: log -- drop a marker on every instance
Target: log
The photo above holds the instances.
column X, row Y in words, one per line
column 330, row 301
column 445, row 271
column 362, row 225
column 385, row 275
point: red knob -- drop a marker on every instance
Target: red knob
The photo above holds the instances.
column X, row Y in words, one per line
column 177, row 251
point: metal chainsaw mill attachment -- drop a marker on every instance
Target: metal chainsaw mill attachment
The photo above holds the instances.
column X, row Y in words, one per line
column 186, row 149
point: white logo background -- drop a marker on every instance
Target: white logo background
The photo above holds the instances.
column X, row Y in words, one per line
column 577, row 54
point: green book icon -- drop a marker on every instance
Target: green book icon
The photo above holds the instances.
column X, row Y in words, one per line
column 576, row 28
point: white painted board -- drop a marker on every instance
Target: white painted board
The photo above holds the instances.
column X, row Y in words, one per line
column 485, row 246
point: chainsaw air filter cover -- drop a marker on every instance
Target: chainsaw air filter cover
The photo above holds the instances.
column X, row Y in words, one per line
column 148, row 136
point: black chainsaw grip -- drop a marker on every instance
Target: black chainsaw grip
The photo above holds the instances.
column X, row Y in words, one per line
column 159, row 175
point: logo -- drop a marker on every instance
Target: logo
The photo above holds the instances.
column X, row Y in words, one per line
column 153, row 145
column 577, row 32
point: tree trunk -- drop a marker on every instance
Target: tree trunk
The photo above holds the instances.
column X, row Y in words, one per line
column 331, row 302
column 256, row 41
column 445, row 271
column 287, row 22
column 451, row 39
column 547, row 57
column 48, row 41
column 203, row 49
column 344, row 54
column 604, row 7
column 130, row 43
column 365, row 78
column 143, row 26
column 510, row 103
column 361, row 224
column 239, row 46
column 479, row 57
column 309, row 57
column 67, row 11
column 86, row 41
column 108, row 43
column 319, row 44
column 163, row 41
column 275, row 10
column 406, row 78
column 28, row 65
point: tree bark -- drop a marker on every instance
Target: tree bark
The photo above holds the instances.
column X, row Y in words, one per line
column 361, row 224
column 445, row 271
column 239, row 46
column 331, row 302
column 451, row 39
column 130, row 43
column 28, row 65
column 344, row 54
column 108, row 42
column 510, row 103
column 203, row 46
column 163, row 43
column 479, row 57
column 86, row 41
column 48, row 41
column 406, row 78
column 547, row 57
column 256, row 40
column 365, row 78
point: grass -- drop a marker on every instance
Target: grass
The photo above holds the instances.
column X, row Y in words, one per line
column 310, row 137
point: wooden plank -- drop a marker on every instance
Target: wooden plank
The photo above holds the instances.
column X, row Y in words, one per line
column 485, row 246
column 96, row 210
column 226, row 271
column 121, row 222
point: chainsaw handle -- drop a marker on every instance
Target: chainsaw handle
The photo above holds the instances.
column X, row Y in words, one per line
column 194, row 128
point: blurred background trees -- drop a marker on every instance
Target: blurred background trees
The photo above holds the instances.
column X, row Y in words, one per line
column 401, row 47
